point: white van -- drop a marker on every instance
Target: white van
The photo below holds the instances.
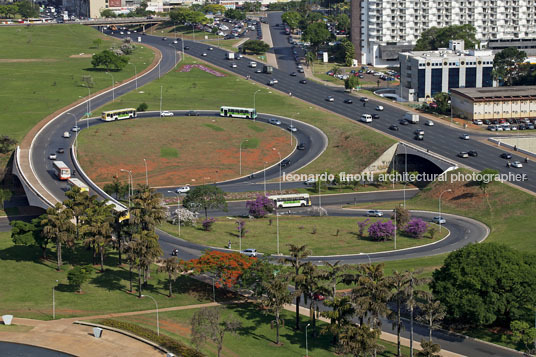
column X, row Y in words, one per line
column 366, row 118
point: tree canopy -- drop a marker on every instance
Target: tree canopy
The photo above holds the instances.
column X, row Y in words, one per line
column 256, row 46
column 292, row 19
column 317, row 33
column 506, row 65
column 183, row 15
column 235, row 14
column 205, row 197
column 435, row 37
column 486, row 284
column 109, row 60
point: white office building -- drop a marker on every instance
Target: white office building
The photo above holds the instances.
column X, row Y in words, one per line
column 425, row 73
column 380, row 28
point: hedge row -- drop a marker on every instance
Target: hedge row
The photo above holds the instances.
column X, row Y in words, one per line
column 166, row 342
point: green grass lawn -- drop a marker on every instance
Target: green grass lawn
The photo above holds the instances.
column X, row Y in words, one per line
column 44, row 65
column 200, row 90
column 319, row 233
column 27, row 285
column 255, row 333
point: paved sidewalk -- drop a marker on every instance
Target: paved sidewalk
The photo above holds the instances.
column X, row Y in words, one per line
column 271, row 59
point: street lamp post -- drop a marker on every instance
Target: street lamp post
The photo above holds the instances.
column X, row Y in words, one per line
column 405, row 172
column 264, row 172
column 135, row 74
column 254, row 106
column 146, row 173
column 113, row 87
column 178, row 210
column 395, row 228
column 306, row 343
column 54, row 301
column 277, row 227
column 88, row 105
column 157, row 322
column 241, row 155
column 439, row 208
column 161, row 100
column 278, row 153
column 129, row 184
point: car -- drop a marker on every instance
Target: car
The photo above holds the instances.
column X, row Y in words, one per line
column 75, row 128
column 271, row 82
column 318, row 297
column 394, row 127
column 60, row 150
column 310, row 181
column 419, row 137
column 516, row 164
column 166, row 113
column 463, row 154
column 164, row 38
column 233, row 65
column 379, row 108
column 473, row 153
column 174, row 252
column 419, row 132
column 303, row 81
column 253, row 64
column 404, row 122
column 506, row 155
column 375, row 116
column 300, row 70
column 183, row 189
column 284, row 163
column 186, row 48
column 464, row 136
column 52, row 156
column 348, row 101
column 192, row 113
column 429, row 123
column 211, row 49
column 439, row 220
column 301, row 146
column 274, row 80
column 478, row 122
column 249, row 252
column 292, row 128
column 294, row 74
column 258, row 70
column 374, row 213
column 66, row 134
column 175, row 41
column 204, row 54
column 330, row 98
column 363, row 99
column 274, row 121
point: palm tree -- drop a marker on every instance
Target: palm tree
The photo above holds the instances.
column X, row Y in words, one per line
column 57, row 226
column 146, row 250
column 147, row 209
column 359, row 340
column 312, row 284
column 411, row 302
column 172, row 267
column 334, row 275
column 432, row 312
column 97, row 229
column 275, row 297
column 297, row 254
column 340, row 315
column 398, row 283
column 429, row 349
column 78, row 202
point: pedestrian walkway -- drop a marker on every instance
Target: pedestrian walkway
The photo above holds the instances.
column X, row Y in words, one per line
column 271, row 59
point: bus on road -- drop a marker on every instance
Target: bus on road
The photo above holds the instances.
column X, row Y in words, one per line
column 73, row 181
column 62, row 171
column 118, row 114
column 123, row 213
column 293, row 200
column 236, row 112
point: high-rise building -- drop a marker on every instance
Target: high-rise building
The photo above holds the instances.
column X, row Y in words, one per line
column 382, row 28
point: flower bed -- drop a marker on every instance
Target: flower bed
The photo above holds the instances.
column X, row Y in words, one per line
column 188, row 68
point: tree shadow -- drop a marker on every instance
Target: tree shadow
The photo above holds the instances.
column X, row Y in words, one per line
column 463, row 196
column 109, row 280
column 253, row 312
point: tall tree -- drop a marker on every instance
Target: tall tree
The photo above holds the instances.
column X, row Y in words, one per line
column 359, row 340
column 30, row 233
column 312, row 284
column 340, row 314
column 147, row 209
column 58, row 227
column 207, row 325
column 432, row 312
column 78, row 202
column 414, row 282
column 100, row 220
column 333, row 275
column 506, row 65
column 435, row 37
column 172, row 267
column 292, row 19
column 297, row 255
column 205, row 197
column 276, row 296
column 145, row 249
column 429, row 349
column 398, row 283
column 317, row 34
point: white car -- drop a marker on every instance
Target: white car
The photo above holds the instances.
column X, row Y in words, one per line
column 253, row 64
column 374, row 213
column 166, row 113
column 379, row 108
column 233, row 65
column 429, row 123
column 175, row 41
column 310, row 181
column 439, row 220
column 52, row 156
column 330, row 99
column 517, row 164
column 204, row 54
column 274, row 80
column 274, row 121
column 249, row 252
column 66, row 134
column 292, row 128
column 183, row 189
column 464, row 137
column 477, row 122
column 75, row 128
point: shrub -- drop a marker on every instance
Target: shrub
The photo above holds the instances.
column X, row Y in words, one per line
column 187, row 217
column 416, row 228
column 362, row 225
column 78, row 276
column 208, row 223
column 381, row 230
column 260, row 207
column 142, row 107
column 166, row 342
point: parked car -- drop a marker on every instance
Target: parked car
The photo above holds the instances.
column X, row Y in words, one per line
column 318, row 297
column 166, row 113
column 249, row 252
column 506, row 155
column 439, row 220
column 183, row 189
column 464, row 136
column 463, row 154
column 374, row 213
column 274, row 121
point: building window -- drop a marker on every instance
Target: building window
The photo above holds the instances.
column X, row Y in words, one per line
column 487, row 77
column 437, row 81
column 454, row 78
column 470, row 77
column 421, row 82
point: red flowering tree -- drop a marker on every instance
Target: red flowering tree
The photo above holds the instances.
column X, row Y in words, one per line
column 228, row 267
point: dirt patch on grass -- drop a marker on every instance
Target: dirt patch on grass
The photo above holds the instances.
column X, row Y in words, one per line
column 82, row 55
column 26, row 60
column 180, row 150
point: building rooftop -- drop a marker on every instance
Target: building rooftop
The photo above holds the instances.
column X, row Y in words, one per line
column 496, row 93
column 445, row 53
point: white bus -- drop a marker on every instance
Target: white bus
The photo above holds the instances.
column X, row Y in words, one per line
column 73, row 181
column 62, row 171
column 294, row 200
column 237, row 112
column 118, row 114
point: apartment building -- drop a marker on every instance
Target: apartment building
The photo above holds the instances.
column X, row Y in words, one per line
column 425, row 73
column 381, row 27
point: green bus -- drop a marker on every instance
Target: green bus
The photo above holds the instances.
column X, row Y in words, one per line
column 236, row 112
